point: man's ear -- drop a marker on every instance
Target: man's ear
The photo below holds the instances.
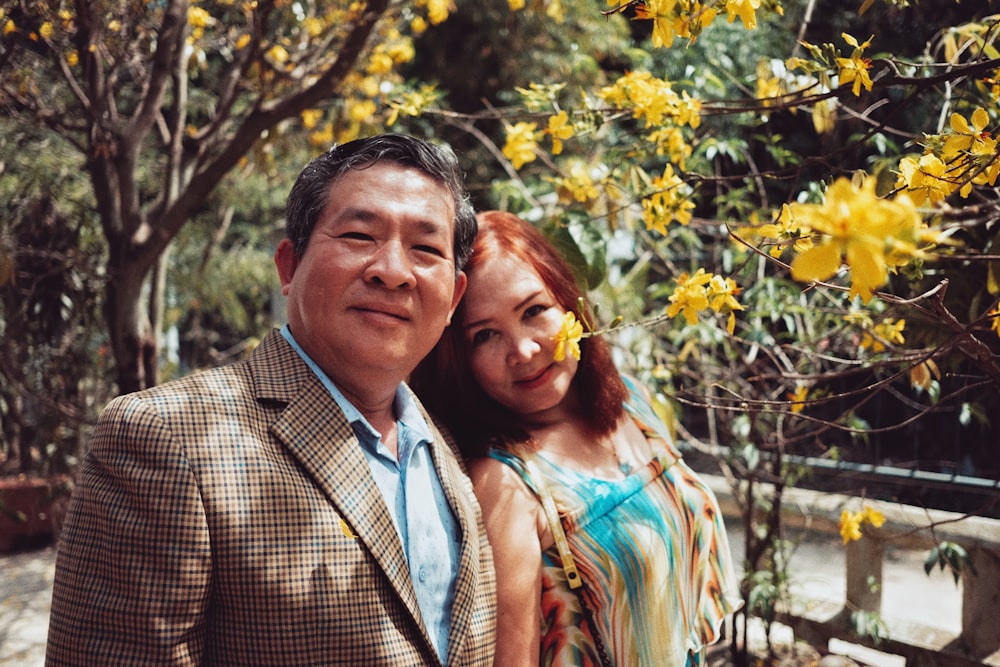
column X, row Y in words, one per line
column 287, row 261
column 461, row 282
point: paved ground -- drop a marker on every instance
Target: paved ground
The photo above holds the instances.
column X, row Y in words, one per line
column 25, row 596
column 817, row 565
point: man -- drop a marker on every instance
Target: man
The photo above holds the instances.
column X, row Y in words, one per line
column 299, row 507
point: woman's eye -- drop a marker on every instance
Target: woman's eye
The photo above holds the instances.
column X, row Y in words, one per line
column 534, row 310
column 481, row 336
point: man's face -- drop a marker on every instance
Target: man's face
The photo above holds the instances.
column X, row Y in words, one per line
column 376, row 284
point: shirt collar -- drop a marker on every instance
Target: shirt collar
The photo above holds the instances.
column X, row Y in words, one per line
column 407, row 412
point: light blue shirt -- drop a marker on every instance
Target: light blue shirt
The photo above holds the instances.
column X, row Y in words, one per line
column 416, row 501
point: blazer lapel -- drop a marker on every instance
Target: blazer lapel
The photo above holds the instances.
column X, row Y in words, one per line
column 316, row 433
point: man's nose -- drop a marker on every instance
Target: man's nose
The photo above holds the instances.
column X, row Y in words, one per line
column 390, row 266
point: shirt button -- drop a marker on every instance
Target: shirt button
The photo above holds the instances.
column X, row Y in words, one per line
column 422, row 574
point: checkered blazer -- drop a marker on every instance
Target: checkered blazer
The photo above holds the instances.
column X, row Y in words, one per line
column 230, row 518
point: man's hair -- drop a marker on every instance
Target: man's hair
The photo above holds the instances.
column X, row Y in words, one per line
column 311, row 192
column 444, row 380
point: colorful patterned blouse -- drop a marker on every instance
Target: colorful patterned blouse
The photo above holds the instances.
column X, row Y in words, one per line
column 651, row 550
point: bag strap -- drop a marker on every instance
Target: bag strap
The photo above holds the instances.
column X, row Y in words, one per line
column 549, row 507
column 565, row 555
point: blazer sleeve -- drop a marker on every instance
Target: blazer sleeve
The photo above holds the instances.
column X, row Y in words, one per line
column 133, row 567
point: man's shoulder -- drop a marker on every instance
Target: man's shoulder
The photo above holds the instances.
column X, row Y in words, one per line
column 271, row 362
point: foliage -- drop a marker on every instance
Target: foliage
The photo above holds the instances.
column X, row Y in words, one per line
column 51, row 362
column 162, row 101
column 951, row 556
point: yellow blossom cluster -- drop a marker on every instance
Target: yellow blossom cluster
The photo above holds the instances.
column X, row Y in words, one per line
column 874, row 337
column 522, row 141
column 437, row 10
column 521, row 144
column 871, row 234
column 851, row 522
column 704, row 291
column 687, row 18
column 670, row 200
column 967, row 155
column 851, row 70
column 578, row 185
column 652, row 100
column 413, row 103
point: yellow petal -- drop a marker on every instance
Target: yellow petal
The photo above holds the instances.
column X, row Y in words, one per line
column 818, row 263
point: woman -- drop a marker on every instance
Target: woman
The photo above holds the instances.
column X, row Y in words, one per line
column 609, row 550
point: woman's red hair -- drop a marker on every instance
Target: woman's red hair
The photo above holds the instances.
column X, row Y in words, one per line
column 444, row 380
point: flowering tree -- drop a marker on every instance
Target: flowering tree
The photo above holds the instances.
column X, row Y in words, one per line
column 157, row 102
column 799, row 291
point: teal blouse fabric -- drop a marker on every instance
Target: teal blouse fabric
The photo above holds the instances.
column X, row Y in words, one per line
column 651, row 549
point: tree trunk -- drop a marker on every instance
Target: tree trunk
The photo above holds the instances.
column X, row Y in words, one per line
column 132, row 340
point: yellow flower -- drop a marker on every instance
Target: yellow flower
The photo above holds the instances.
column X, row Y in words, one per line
column 851, row 522
column 690, row 296
column 568, row 338
column 669, row 201
column 886, row 331
column 785, row 230
column 995, row 322
column 924, row 179
column 413, row 103
column 855, row 68
column 873, row 516
column 437, row 10
column 964, row 135
column 798, row 398
column 722, row 299
column 559, row 129
column 521, row 144
column 870, row 232
column 277, row 54
column 577, row 186
column 745, row 10
column 850, row 526
column 663, row 16
column 971, row 151
column 310, row 117
column 199, row 18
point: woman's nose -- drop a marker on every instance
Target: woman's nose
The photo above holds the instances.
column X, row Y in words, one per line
column 523, row 348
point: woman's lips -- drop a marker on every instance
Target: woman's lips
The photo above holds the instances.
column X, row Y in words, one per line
column 532, row 381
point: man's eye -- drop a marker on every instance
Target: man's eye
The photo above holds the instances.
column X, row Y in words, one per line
column 437, row 252
column 357, row 236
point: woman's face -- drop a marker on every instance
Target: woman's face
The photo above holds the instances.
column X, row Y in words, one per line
column 509, row 324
